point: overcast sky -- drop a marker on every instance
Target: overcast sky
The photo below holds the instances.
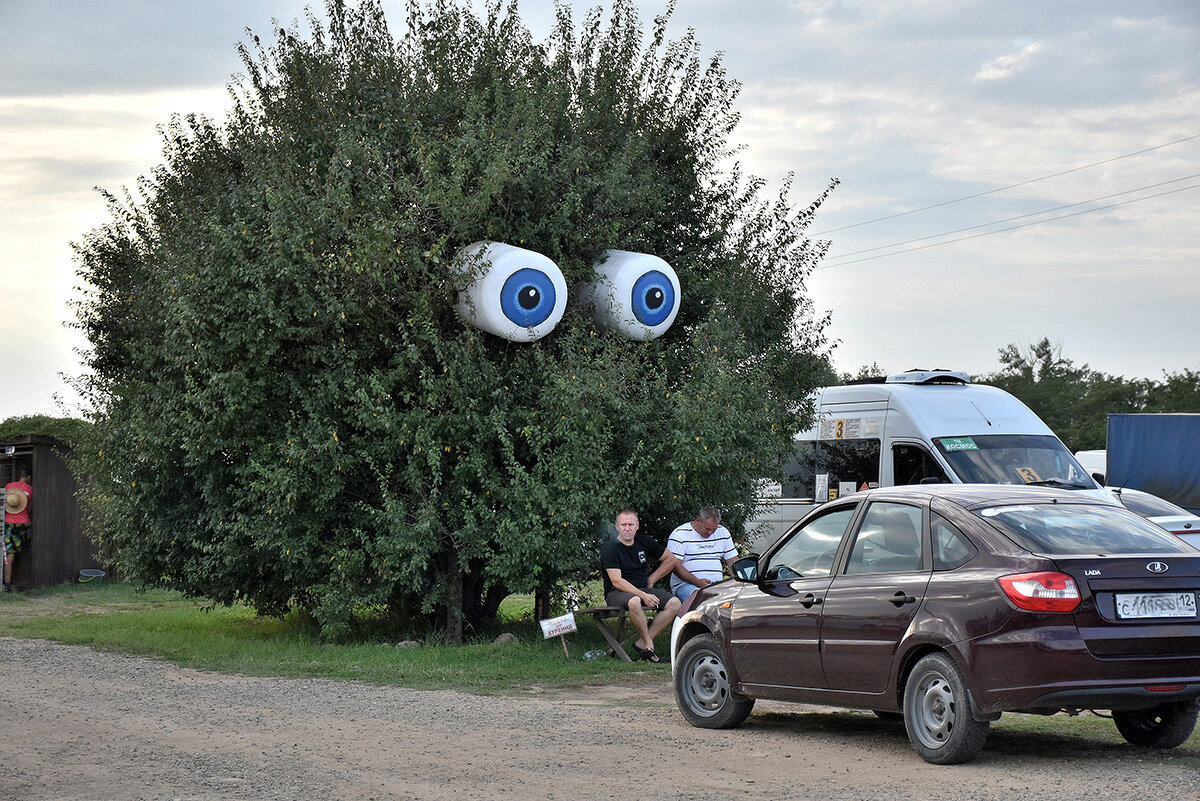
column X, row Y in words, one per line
column 957, row 131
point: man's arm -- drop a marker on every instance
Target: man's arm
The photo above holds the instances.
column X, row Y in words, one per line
column 731, row 554
column 677, row 547
column 667, row 563
column 689, row 576
column 679, row 570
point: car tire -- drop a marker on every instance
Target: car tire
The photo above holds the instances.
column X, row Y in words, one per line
column 702, row 687
column 1167, row 725
column 937, row 713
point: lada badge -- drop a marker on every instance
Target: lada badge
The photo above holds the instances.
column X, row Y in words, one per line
column 1157, row 567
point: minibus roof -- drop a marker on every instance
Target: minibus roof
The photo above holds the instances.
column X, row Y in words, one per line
column 941, row 404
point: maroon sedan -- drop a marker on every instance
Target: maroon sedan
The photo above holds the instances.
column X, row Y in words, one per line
column 948, row 605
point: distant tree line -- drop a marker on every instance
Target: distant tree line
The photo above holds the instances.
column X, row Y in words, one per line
column 1075, row 400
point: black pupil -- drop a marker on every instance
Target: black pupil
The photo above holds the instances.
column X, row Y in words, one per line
column 654, row 298
column 529, row 298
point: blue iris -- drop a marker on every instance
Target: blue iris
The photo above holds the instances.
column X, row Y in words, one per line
column 527, row 297
column 653, row 298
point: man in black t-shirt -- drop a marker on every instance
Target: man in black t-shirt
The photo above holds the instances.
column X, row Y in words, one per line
column 628, row 581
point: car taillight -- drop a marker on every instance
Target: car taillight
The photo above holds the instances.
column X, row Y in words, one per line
column 1041, row 592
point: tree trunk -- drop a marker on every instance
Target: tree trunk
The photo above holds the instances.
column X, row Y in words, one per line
column 454, row 605
column 480, row 604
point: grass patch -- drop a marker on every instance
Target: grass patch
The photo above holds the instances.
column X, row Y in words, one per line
column 165, row 625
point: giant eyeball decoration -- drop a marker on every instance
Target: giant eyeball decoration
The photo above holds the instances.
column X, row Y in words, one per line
column 635, row 294
column 518, row 294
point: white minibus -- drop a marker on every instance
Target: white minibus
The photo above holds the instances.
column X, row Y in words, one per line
column 930, row 426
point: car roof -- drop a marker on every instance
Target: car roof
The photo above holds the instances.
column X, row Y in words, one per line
column 1176, row 512
column 975, row 495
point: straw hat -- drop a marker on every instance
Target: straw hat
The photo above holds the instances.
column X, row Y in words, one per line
column 15, row 502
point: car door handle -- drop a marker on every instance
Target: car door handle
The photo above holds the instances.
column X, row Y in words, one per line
column 809, row 601
column 900, row 599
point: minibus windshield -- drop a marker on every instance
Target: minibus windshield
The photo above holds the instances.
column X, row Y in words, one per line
column 1013, row 459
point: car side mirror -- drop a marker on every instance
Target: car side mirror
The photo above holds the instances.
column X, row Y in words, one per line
column 746, row 568
column 1099, row 478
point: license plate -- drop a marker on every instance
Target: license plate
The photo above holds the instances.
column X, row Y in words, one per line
column 1133, row 605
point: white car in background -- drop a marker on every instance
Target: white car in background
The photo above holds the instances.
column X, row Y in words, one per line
column 1094, row 462
column 1175, row 519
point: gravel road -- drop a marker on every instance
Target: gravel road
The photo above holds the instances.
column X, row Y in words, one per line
column 81, row 724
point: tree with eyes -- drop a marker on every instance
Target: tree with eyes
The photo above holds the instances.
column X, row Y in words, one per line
column 298, row 403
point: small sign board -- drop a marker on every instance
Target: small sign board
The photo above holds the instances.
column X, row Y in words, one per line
column 557, row 626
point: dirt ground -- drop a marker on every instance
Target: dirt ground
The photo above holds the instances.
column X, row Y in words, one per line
column 81, row 724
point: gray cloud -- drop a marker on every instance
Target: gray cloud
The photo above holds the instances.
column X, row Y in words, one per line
column 45, row 177
column 69, row 47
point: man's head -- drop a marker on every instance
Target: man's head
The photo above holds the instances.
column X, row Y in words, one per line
column 707, row 521
column 627, row 525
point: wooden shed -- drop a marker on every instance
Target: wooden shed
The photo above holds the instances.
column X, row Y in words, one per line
column 56, row 550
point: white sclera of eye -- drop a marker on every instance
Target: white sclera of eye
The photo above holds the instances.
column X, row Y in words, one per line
column 482, row 302
column 611, row 294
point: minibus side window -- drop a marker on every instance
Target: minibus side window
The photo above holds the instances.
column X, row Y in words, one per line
column 843, row 460
column 912, row 464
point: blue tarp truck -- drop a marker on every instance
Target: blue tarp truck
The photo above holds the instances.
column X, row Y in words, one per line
column 1156, row 453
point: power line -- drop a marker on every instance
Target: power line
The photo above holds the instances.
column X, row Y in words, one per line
column 1005, row 188
column 1018, row 217
column 1011, row 228
column 41, row 389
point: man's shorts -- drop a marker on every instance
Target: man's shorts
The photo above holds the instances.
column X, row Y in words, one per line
column 15, row 535
column 685, row 590
column 621, row 598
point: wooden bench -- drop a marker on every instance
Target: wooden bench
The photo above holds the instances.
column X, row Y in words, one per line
column 611, row 622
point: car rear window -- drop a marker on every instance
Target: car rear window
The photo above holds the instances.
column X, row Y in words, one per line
column 1080, row 529
column 1150, row 505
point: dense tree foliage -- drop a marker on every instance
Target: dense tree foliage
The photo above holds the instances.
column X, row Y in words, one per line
column 1075, row 400
column 290, row 411
column 67, row 430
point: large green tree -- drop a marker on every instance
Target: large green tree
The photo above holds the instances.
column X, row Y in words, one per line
column 291, row 413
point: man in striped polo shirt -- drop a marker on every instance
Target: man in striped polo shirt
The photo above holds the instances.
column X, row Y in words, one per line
column 703, row 547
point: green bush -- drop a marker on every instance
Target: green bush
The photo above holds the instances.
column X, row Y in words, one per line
column 67, row 430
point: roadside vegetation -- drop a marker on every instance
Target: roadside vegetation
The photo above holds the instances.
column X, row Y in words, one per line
column 162, row 624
